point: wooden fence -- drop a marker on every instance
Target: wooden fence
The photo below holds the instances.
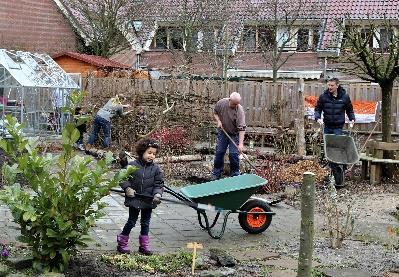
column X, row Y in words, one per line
column 267, row 104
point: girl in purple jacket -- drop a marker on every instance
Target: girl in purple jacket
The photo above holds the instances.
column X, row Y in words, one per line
column 148, row 180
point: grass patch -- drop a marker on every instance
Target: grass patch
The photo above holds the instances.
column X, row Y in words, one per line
column 316, row 273
column 155, row 263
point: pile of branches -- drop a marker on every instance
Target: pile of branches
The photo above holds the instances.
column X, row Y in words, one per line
column 286, row 170
column 163, row 109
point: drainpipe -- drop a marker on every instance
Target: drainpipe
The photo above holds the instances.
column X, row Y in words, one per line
column 325, row 68
column 138, row 58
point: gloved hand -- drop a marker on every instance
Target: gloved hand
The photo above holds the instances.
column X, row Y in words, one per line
column 351, row 123
column 129, row 192
column 157, row 199
column 320, row 121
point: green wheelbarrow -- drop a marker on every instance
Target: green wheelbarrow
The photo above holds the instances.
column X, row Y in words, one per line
column 227, row 196
column 224, row 196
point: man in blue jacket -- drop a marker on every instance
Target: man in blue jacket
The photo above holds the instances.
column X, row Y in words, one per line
column 334, row 103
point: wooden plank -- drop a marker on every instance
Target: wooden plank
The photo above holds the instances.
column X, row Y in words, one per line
column 389, row 146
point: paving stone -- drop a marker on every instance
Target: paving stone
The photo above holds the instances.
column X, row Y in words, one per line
column 345, row 272
column 219, row 272
column 254, row 254
column 283, row 273
column 285, row 262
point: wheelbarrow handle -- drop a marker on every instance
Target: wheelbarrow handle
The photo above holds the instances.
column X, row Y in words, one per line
column 185, row 203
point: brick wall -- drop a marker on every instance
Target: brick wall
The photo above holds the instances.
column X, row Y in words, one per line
column 35, row 25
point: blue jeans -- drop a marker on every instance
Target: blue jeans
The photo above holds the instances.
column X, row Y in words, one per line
column 144, row 221
column 98, row 124
column 221, row 147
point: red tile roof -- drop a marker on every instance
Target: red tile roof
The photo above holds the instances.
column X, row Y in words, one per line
column 93, row 60
column 324, row 12
column 354, row 10
column 127, row 57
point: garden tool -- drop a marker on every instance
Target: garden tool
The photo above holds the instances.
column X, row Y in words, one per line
column 186, row 203
column 242, row 153
column 273, row 202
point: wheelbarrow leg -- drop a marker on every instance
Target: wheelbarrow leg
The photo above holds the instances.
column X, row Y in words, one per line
column 200, row 220
column 208, row 228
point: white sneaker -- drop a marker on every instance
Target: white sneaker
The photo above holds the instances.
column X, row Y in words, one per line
column 80, row 147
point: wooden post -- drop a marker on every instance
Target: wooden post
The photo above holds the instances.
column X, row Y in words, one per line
column 194, row 246
column 307, row 225
column 300, row 120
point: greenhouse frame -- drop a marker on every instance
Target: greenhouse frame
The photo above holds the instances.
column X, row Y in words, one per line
column 34, row 88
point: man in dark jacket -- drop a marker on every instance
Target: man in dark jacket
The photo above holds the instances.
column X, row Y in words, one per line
column 334, row 103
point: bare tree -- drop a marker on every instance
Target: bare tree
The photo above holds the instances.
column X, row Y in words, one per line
column 99, row 21
column 190, row 32
column 370, row 51
column 283, row 28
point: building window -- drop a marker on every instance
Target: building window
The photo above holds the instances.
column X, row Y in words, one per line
column 265, row 38
column 385, row 38
column 208, row 39
column 302, row 40
column 248, row 39
column 284, row 39
column 315, row 38
column 191, row 40
column 366, row 34
column 161, row 39
column 175, row 38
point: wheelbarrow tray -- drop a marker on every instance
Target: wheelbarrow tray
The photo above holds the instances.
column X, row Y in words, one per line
column 340, row 149
column 228, row 193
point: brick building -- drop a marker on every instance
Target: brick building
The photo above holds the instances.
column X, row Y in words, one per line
column 35, row 26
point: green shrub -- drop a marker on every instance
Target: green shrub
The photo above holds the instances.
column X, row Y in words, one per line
column 63, row 200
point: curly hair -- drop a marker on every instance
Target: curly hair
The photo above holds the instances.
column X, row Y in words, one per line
column 144, row 144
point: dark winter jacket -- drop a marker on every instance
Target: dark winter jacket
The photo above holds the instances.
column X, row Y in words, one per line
column 334, row 108
column 147, row 179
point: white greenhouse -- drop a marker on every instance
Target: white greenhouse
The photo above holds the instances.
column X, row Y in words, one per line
column 34, row 88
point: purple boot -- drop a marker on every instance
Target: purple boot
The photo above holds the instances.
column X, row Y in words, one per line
column 123, row 246
column 144, row 245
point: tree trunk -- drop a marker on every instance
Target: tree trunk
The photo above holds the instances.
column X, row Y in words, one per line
column 307, row 225
column 386, row 91
column 300, row 120
column 274, row 75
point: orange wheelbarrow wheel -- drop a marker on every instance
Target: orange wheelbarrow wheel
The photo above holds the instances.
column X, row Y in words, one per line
column 255, row 223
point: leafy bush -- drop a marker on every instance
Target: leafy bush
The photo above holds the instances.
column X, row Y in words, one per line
column 64, row 200
column 174, row 140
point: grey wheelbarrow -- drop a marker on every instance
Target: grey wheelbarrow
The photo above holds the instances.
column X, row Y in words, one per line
column 340, row 150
